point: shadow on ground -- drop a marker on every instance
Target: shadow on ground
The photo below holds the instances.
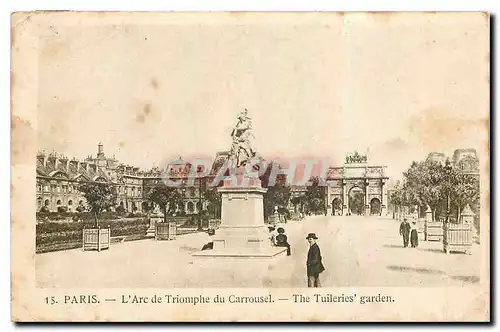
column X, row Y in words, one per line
column 431, row 250
column 469, row 279
column 414, row 269
column 392, row 246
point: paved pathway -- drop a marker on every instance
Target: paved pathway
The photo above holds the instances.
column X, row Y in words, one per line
column 357, row 251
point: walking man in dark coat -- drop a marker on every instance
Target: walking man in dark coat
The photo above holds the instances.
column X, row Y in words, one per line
column 314, row 264
column 404, row 230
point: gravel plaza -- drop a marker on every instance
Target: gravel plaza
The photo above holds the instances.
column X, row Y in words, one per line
column 356, row 250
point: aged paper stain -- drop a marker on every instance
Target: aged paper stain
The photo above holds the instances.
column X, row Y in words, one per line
column 22, row 140
column 144, row 113
column 369, row 92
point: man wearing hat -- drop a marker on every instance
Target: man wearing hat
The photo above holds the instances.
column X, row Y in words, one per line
column 314, row 264
column 404, row 230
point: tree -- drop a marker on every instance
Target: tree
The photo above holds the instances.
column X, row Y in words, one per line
column 214, row 202
column 120, row 210
column 314, row 196
column 396, row 200
column 277, row 195
column 463, row 189
column 167, row 198
column 424, row 184
column 100, row 196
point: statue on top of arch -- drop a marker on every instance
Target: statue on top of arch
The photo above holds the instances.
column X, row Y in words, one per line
column 355, row 158
column 241, row 148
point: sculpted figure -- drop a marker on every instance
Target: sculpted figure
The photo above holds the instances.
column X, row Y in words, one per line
column 241, row 148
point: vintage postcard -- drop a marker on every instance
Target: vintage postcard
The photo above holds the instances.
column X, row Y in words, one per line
column 250, row 167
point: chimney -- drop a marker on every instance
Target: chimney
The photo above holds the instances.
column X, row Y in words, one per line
column 41, row 157
column 52, row 158
column 100, row 150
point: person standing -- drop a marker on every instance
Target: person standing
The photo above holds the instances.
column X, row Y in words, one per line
column 314, row 263
column 414, row 235
column 404, row 230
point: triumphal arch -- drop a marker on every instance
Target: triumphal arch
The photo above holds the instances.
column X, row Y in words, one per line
column 356, row 187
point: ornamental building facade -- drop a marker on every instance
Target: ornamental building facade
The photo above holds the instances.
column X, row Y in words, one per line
column 58, row 178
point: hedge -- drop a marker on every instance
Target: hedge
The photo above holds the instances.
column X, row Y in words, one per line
column 52, row 236
column 85, row 216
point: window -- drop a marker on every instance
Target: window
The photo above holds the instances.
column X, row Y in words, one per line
column 46, row 188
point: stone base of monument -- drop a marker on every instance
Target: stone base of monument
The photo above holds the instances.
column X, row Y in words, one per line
column 273, row 252
column 242, row 232
column 153, row 220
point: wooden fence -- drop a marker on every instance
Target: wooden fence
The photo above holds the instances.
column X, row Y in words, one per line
column 96, row 238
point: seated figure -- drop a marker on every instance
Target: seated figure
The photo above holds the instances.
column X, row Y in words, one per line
column 209, row 245
column 282, row 241
column 272, row 235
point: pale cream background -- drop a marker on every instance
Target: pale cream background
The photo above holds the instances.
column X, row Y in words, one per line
column 153, row 86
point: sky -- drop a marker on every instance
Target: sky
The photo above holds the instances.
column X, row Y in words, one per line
column 150, row 88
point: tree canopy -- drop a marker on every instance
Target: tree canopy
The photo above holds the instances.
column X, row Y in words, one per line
column 167, row 198
column 433, row 183
column 99, row 197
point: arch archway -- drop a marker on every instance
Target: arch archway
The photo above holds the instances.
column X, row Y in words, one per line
column 336, row 207
column 375, row 206
column 145, row 207
column 356, row 202
column 45, row 207
column 190, row 207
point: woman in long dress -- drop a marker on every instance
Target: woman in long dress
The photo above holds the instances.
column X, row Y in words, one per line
column 414, row 235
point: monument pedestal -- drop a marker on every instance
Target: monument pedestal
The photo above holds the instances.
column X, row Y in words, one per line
column 153, row 220
column 242, row 232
